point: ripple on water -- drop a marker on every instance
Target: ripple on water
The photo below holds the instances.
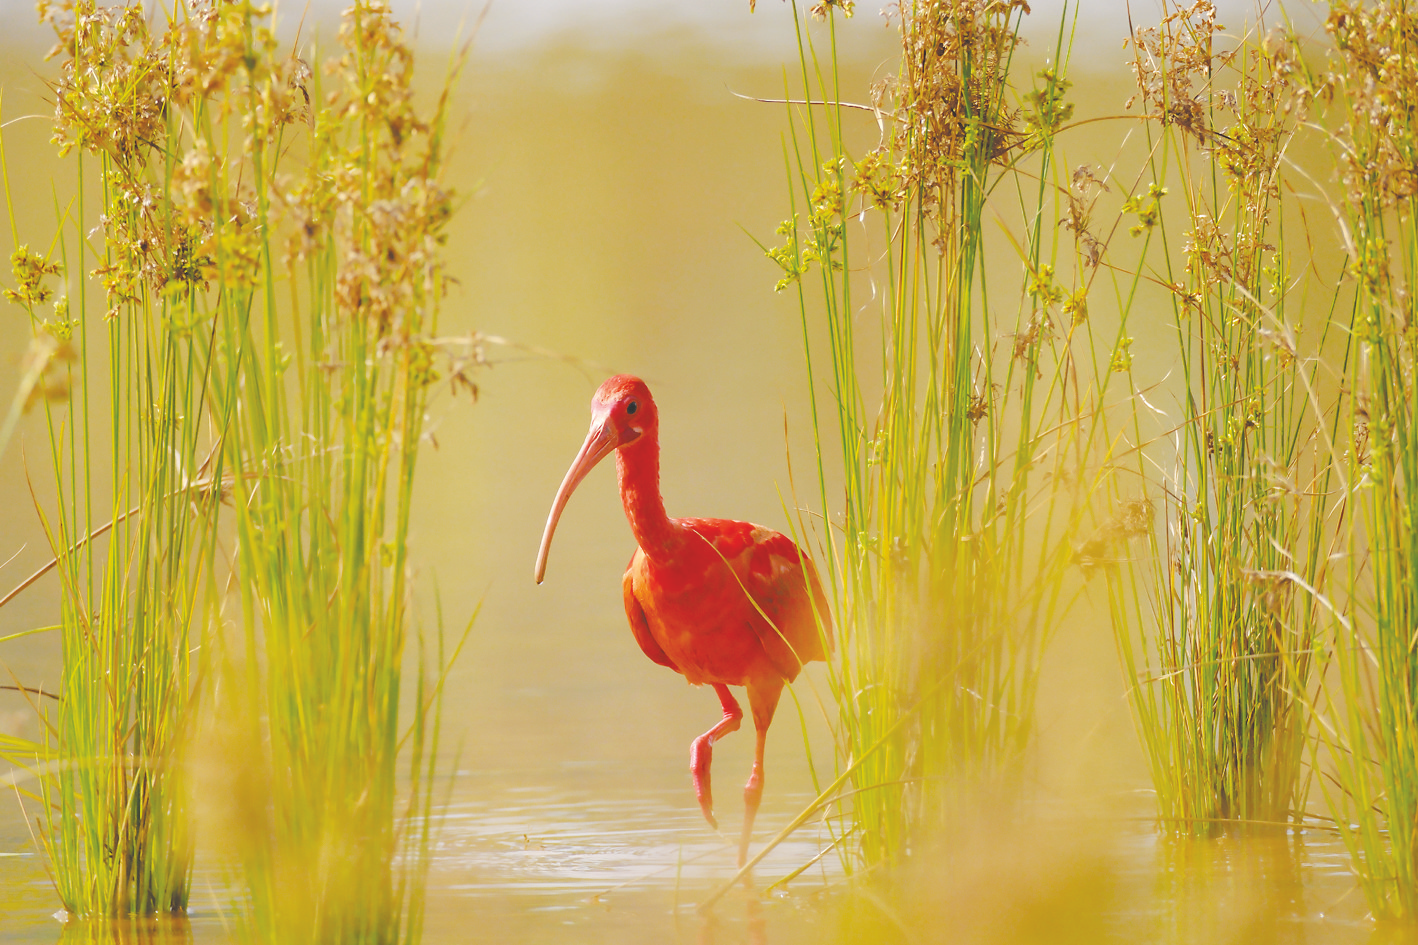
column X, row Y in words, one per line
column 559, row 840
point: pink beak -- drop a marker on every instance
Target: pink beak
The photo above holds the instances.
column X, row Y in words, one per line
column 599, row 444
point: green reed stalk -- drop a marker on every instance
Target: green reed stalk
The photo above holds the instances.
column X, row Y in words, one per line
column 322, row 360
column 132, row 522
column 271, row 265
column 1373, row 74
column 951, row 555
column 1219, row 640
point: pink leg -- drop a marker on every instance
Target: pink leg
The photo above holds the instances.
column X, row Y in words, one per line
column 701, row 753
column 762, row 702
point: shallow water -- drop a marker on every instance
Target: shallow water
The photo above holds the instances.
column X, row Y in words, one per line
column 607, row 185
column 549, row 857
column 572, row 859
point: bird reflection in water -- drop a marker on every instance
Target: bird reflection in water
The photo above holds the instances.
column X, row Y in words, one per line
column 714, row 932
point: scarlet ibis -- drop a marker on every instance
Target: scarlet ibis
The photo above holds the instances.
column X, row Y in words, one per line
column 720, row 602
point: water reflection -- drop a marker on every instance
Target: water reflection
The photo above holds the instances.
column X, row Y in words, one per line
column 715, row 930
column 598, row 844
column 610, row 858
column 1283, row 887
column 139, row 931
column 1230, row 889
column 1395, row 933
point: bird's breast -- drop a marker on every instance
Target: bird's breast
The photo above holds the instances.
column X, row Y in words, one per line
column 702, row 617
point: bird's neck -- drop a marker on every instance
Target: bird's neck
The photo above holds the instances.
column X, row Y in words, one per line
column 638, row 466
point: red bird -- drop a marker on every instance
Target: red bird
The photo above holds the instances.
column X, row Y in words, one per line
column 720, row 602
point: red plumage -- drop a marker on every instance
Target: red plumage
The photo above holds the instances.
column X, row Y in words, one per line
column 722, row 602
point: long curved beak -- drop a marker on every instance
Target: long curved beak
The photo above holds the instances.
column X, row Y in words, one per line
column 599, row 444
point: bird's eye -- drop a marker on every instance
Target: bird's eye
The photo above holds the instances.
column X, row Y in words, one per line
column 632, row 407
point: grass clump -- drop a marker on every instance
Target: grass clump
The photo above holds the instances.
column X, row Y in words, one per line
column 955, row 416
column 132, row 524
column 324, row 391
column 271, row 272
column 1219, row 638
column 1371, row 76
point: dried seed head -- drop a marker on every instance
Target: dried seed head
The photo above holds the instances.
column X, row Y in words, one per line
column 1107, row 546
column 29, row 270
column 1374, row 78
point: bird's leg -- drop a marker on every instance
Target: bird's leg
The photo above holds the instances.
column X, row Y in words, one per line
column 701, row 753
column 762, row 702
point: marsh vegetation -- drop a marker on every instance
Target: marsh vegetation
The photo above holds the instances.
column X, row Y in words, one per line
column 1130, row 366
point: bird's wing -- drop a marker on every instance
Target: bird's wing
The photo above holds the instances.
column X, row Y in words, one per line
column 819, row 601
column 771, row 569
column 639, row 626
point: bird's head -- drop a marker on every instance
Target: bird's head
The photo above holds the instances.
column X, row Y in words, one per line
column 622, row 415
column 623, row 410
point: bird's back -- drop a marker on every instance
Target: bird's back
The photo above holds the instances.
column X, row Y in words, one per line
column 737, row 600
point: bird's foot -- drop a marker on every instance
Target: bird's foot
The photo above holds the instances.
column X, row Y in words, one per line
column 701, row 753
